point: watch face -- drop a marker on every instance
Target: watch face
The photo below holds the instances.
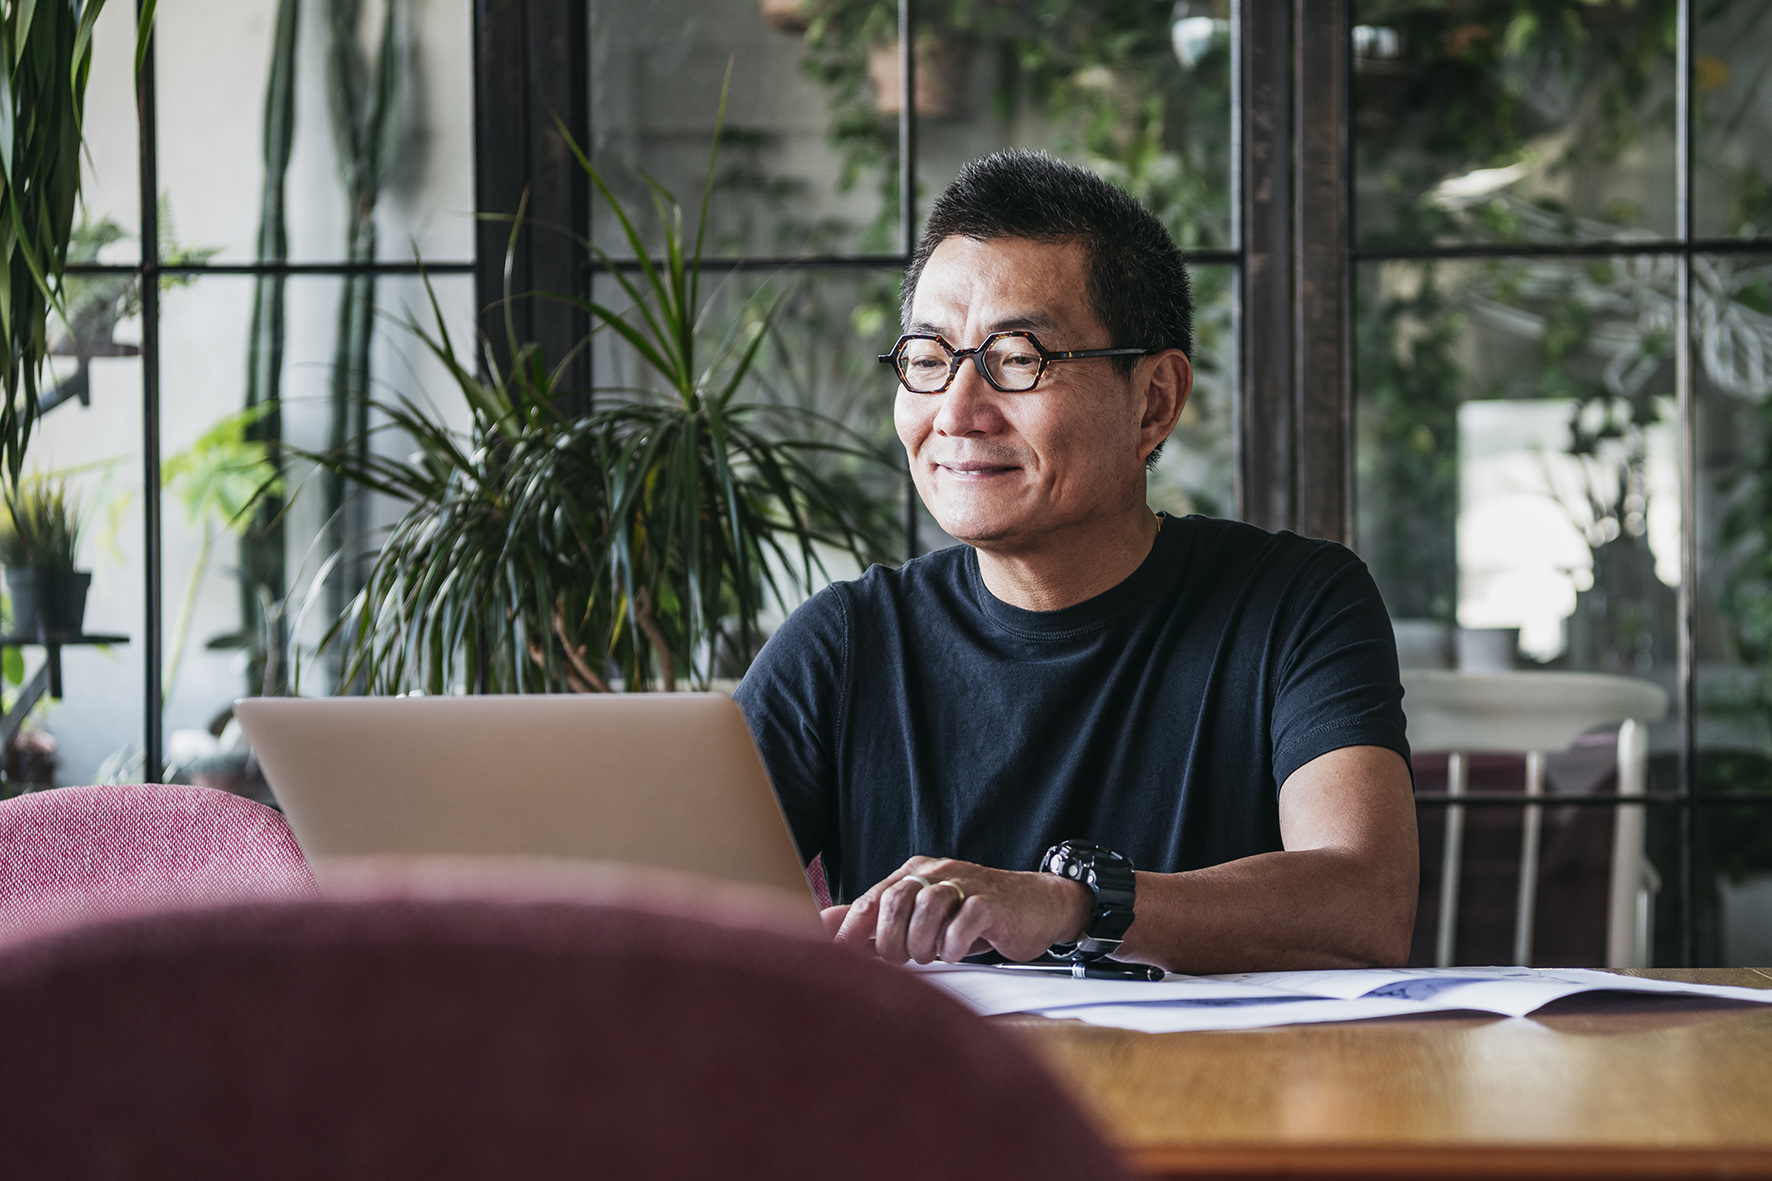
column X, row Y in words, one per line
column 1109, row 878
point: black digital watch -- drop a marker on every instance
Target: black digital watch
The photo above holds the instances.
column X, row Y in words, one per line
column 1109, row 877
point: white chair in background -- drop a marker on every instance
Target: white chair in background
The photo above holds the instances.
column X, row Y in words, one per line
column 1466, row 713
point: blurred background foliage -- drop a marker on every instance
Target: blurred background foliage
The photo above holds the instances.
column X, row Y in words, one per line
column 1135, row 92
column 1544, row 122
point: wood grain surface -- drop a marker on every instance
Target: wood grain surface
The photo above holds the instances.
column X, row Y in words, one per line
column 1603, row 1086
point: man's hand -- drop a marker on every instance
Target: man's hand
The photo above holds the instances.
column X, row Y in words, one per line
column 1341, row 894
column 964, row 909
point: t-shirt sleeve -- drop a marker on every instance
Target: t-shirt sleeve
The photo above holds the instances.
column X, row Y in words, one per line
column 1337, row 683
column 793, row 698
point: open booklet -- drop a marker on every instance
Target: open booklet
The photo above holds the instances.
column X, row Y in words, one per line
column 1248, row 1000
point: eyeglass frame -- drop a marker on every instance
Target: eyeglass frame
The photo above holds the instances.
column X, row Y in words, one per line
column 957, row 357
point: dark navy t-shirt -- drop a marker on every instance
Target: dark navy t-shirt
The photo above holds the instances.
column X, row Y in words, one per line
column 912, row 712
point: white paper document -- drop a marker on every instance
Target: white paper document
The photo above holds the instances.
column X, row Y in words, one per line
column 1249, row 1000
column 991, row 991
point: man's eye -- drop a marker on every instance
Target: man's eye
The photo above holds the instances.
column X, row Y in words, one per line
column 925, row 364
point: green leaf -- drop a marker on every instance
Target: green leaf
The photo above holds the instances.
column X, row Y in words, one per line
column 620, row 540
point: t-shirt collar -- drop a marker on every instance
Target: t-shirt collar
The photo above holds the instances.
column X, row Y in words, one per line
column 1156, row 570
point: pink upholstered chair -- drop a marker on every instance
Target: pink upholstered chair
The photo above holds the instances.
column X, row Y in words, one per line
column 821, row 890
column 440, row 1037
column 75, row 853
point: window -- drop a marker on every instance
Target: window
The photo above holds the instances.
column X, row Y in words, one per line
column 231, row 335
column 1485, row 295
column 1462, row 284
column 824, row 174
column 1558, row 309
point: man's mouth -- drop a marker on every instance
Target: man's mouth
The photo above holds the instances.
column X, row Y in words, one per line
column 975, row 469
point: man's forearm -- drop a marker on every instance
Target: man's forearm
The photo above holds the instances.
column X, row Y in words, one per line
column 1306, row 908
column 1341, row 895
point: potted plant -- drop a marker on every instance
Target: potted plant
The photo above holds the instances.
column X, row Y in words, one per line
column 39, row 540
column 626, row 547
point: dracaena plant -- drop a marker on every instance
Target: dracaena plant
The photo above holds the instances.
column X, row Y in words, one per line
column 45, row 58
column 543, row 551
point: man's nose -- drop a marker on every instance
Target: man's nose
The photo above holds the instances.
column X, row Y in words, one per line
column 969, row 407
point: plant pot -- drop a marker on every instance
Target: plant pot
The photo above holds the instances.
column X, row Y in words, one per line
column 941, row 75
column 47, row 600
column 789, row 16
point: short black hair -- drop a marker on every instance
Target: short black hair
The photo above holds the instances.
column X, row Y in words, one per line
column 1138, row 284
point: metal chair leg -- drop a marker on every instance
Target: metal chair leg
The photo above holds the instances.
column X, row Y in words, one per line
column 1451, row 863
column 1531, row 835
column 1627, row 934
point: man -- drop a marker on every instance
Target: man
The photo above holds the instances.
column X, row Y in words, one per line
column 1217, row 705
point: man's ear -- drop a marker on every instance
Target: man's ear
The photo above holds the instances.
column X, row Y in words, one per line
column 1166, row 391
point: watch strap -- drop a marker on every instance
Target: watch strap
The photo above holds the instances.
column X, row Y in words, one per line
column 1109, row 877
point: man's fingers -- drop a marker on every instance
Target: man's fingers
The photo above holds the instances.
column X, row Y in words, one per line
column 861, row 920
column 906, row 915
column 934, row 906
column 892, row 926
column 964, row 930
column 832, row 917
column 857, row 925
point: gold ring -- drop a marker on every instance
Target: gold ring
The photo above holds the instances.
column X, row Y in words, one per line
column 919, row 879
column 956, row 886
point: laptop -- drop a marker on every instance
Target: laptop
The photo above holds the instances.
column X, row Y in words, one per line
column 664, row 780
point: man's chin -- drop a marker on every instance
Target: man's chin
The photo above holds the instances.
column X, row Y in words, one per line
column 978, row 529
column 980, row 515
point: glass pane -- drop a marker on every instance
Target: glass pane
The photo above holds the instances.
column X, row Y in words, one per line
column 211, row 464
column 1732, row 633
column 1734, row 910
column 1518, row 503
column 1575, row 860
column 110, row 195
column 1139, row 93
column 106, row 222
column 1512, row 123
column 781, row 187
column 214, row 72
column 94, row 732
column 242, row 614
column 1732, row 119
column 1198, row 470
column 1516, row 458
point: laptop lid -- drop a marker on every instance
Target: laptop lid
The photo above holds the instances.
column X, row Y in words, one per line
column 667, row 780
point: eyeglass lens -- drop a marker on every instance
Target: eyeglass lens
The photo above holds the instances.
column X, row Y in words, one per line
column 1013, row 363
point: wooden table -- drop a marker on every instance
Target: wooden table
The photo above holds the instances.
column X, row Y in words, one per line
column 1590, row 1087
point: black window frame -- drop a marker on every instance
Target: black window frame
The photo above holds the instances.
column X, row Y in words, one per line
column 148, row 271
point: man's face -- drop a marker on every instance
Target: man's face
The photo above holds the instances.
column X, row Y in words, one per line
column 1003, row 471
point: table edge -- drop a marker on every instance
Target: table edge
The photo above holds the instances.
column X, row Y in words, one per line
column 1333, row 1161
